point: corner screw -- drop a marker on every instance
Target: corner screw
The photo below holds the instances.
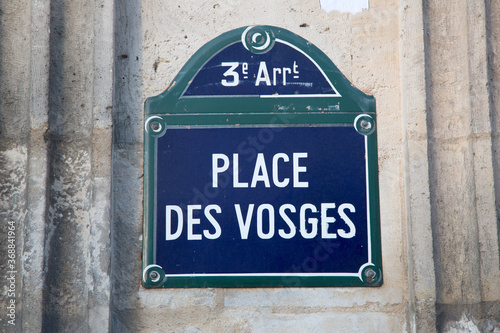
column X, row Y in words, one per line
column 154, row 276
column 370, row 275
column 156, row 126
column 365, row 124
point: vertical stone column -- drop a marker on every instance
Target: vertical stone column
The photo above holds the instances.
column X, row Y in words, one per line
column 451, row 159
column 493, row 27
column 461, row 162
column 100, row 212
column 482, row 108
column 34, row 225
column 421, row 278
column 127, row 167
column 489, row 234
column 68, row 225
column 15, row 26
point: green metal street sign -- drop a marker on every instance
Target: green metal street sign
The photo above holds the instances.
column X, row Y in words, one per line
column 260, row 170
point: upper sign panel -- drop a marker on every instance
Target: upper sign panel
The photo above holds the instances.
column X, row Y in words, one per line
column 259, row 68
column 278, row 70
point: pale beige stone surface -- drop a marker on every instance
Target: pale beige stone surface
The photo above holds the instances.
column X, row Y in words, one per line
column 73, row 79
column 365, row 48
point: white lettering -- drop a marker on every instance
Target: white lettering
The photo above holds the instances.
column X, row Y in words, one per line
column 191, row 221
column 263, row 74
column 168, row 222
column 260, row 229
column 216, row 169
column 312, row 221
column 244, row 225
column 232, row 73
column 260, row 172
column 288, row 221
column 236, row 172
column 285, row 70
column 309, row 221
column 275, row 71
column 298, row 169
column 276, row 180
column 325, row 220
column 214, row 222
column 347, row 220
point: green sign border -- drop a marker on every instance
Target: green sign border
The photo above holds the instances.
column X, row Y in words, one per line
column 169, row 109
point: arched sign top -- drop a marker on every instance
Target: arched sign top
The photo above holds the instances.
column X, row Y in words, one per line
column 274, row 69
column 244, row 66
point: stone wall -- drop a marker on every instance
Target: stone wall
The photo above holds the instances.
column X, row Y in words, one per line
column 73, row 79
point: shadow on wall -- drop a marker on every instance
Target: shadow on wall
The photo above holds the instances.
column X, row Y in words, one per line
column 69, row 188
column 493, row 30
column 127, row 160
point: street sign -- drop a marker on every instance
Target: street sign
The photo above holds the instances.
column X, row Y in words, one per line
column 260, row 170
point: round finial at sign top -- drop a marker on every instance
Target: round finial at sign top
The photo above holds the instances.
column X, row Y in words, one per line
column 257, row 39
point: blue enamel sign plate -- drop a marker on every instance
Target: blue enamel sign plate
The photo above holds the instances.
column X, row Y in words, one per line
column 262, row 208
column 261, row 170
